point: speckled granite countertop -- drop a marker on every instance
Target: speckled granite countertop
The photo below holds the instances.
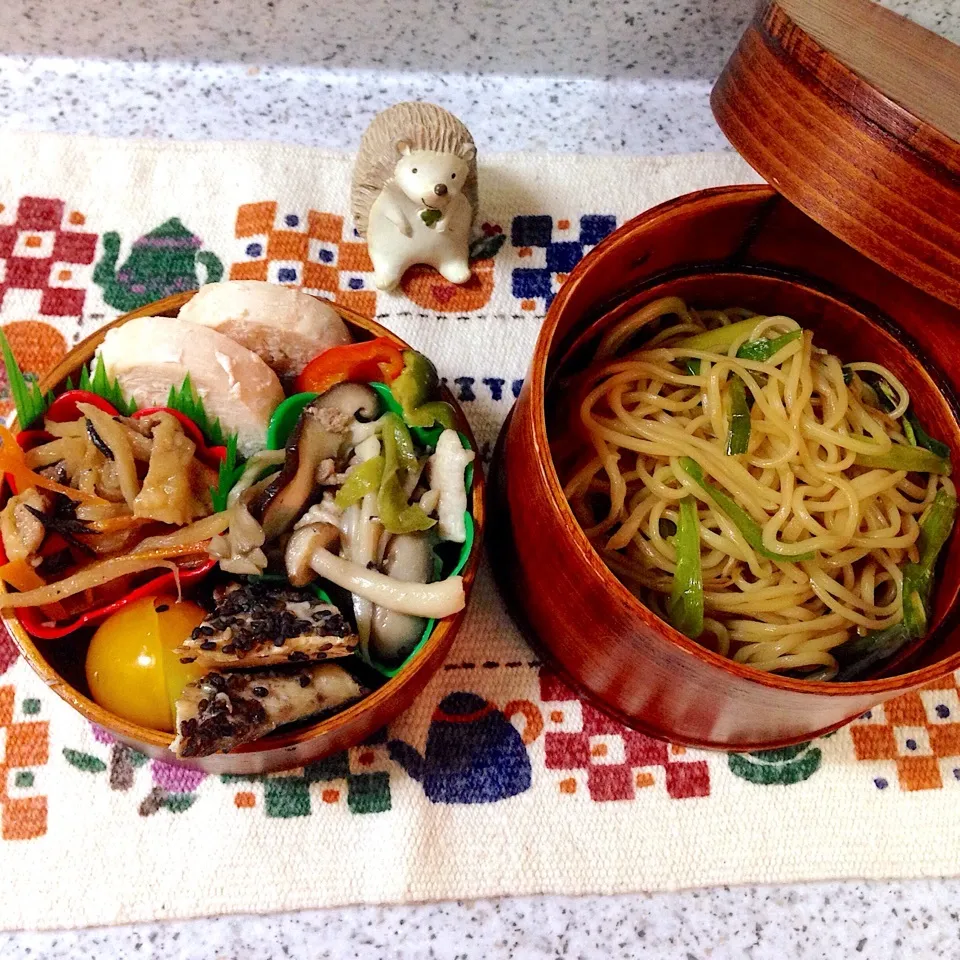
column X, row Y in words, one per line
column 587, row 76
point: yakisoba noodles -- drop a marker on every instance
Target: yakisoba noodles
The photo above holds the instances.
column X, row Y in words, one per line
column 777, row 505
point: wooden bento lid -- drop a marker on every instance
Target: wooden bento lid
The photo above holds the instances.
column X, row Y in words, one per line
column 852, row 112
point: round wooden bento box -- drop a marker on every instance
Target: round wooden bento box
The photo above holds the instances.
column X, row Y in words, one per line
column 59, row 663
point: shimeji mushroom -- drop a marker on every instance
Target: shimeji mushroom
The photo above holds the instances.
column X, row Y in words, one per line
column 409, row 558
column 446, row 485
column 308, row 556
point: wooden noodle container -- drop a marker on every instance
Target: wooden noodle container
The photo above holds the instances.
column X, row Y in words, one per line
column 851, row 113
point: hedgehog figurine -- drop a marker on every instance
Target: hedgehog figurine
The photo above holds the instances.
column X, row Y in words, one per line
column 414, row 193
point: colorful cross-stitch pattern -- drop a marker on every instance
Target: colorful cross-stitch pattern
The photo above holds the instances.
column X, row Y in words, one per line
column 41, row 245
column 173, row 787
column 160, row 263
column 914, row 739
column 612, row 760
column 360, row 774
column 553, row 250
column 24, row 746
column 318, row 252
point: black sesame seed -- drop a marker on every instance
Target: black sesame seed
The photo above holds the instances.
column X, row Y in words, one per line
column 208, row 645
column 259, row 691
column 228, row 648
column 188, row 659
column 297, row 655
column 304, row 680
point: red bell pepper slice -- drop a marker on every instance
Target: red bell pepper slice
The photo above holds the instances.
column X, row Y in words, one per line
column 365, row 362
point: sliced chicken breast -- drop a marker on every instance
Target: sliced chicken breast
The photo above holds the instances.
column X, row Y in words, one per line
column 150, row 354
column 283, row 326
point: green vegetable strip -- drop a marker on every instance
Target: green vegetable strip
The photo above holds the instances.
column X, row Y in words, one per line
column 862, row 653
column 413, row 388
column 686, row 599
column 762, row 350
column 720, row 338
column 362, row 479
column 27, row 397
column 935, row 526
column 921, row 438
column 748, row 527
column 902, row 457
column 399, row 460
column 738, row 429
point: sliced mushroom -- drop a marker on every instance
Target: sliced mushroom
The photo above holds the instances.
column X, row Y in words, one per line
column 354, row 400
column 307, row 554
column 321, row 434
column 409, row 558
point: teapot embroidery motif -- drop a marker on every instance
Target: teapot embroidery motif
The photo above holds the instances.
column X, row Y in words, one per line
column 473, row 753
column 161, row 263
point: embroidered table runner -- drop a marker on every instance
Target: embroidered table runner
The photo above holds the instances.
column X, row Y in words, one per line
column 92, row 832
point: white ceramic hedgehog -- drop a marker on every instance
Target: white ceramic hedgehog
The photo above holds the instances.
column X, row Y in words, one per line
column 414, row 193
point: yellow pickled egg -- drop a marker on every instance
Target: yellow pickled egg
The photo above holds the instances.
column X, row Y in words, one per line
column 132, row 668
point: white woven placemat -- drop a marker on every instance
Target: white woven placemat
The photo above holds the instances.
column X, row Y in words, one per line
column 557, row 798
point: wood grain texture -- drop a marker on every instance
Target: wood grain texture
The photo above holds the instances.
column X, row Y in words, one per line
column 879, row 170
column 736, row 245
column 52, row 662
column 903, row 61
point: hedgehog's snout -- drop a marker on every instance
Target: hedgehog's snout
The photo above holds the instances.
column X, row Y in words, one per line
column 440, row 189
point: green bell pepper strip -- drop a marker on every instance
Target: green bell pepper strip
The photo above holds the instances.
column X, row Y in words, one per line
column 685, row 605
column 763, row 349
column 760, row 350
column 738, row 430
column 362, row 479
column 399, row 460
column 720, row 338
column 920, row 438
column 417, row 383
column 861, row 653
column 902, row 457
column 426, row 437
column 748, row 527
